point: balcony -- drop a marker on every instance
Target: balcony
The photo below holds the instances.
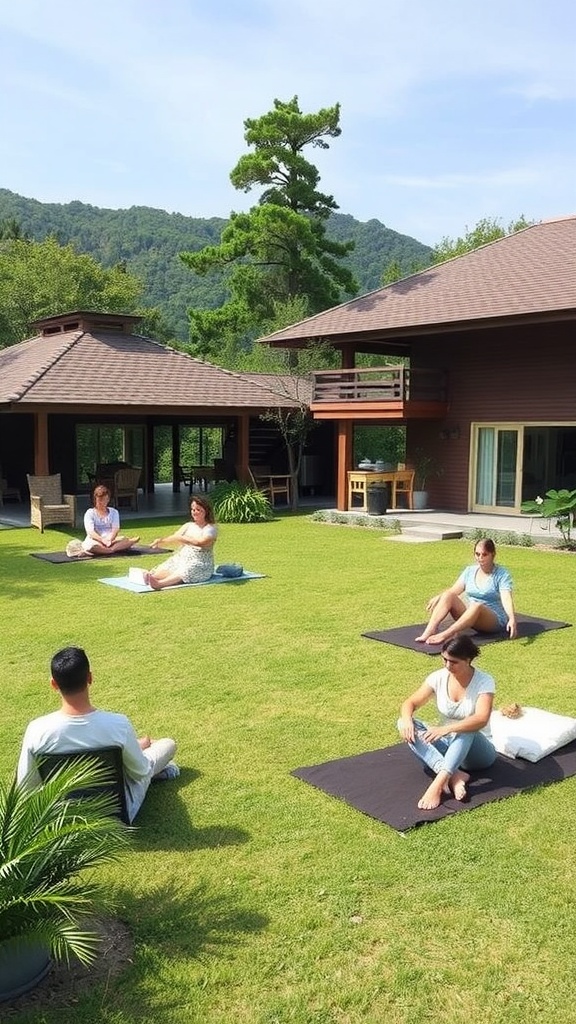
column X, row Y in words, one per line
column 393, row 393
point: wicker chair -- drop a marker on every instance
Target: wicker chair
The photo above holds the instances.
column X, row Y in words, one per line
column 47, row 503
column 126, row 486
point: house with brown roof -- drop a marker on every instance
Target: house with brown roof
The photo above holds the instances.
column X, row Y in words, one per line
column 485, row 382
column 84, row 375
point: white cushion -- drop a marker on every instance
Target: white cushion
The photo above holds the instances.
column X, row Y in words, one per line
column 532, row 736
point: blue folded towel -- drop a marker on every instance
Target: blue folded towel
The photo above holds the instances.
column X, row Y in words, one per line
column 232, row 570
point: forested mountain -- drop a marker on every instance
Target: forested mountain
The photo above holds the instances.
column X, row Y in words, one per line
column 148, row 242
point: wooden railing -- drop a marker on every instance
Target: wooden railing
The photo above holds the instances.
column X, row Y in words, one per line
column 379, row 384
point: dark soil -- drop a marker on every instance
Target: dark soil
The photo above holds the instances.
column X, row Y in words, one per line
column 64, row 984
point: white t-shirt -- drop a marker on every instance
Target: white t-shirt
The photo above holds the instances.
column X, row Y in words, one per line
column 59, row 733
column 102, row 525
column 450, row 709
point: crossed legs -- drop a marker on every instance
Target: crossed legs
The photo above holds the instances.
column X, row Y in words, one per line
column 120, row 544
column 449, row 757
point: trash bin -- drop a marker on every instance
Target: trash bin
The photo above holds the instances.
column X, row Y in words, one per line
column 377, row 499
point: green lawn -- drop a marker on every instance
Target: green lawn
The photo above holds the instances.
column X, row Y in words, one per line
column 252, row 897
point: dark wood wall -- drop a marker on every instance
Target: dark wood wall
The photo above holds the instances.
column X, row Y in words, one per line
column 517, row 375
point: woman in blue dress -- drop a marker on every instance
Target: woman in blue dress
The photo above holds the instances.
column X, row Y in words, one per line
column 481, row 599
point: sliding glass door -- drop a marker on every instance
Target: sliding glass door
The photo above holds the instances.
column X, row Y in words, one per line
column 513, row 463
column 106, row 442
column 498, row 468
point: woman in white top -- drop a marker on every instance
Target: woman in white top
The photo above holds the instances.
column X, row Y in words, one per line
column 102, row 525
column 464, row 698
column 194, row 562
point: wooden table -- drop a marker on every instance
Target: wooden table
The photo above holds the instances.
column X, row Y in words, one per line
column 201, row 475
column 359, row 479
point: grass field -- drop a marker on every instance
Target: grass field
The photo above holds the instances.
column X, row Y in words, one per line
column 252, row 897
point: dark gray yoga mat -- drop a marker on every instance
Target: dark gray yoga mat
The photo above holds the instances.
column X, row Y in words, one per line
column 387, row 784
column 403, row 636
column 59, row 557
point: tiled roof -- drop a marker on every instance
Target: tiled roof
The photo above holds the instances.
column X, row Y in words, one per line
column 109, row 369
column 530, row 272
column 290, row 386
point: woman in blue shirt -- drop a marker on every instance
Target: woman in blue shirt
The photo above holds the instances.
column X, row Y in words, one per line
column 481, row 599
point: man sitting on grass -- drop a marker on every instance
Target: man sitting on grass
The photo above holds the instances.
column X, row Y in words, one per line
column 78, row 725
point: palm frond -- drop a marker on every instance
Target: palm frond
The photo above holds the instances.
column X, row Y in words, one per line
column 47, row 839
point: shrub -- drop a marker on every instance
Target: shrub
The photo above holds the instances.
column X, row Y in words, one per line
column 46, row 840
column 240, row 503
column 335, row 518
column 559, row 506
column 509, row 537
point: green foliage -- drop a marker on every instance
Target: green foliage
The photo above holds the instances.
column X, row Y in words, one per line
column 334, row 518
column 198, row 446
column 40, row 279
column 11, row 229
column 509, row 537
column 148, row 243
column 425, row 466
column 559, row 506
column 280, row 248
column 386, row 443
column 278, row 138
column 240, row 503
column 397, row 269
column 46, row 839
column 487, row 230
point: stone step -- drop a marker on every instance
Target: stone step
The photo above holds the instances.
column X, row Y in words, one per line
column 432, row 532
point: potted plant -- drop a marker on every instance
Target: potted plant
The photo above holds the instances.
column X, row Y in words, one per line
column 425, row 466
column 47, row 837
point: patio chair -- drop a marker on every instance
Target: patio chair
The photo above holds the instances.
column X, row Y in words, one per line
column 185, row 476
column 271, row 484
column 7, row 492
column 47, row 503
column 108, row 757
column 126, row 486
column 203, row 476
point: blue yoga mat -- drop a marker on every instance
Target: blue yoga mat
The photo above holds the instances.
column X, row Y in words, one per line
column 124, row 583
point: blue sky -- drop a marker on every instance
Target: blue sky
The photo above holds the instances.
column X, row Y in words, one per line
column 451, row 111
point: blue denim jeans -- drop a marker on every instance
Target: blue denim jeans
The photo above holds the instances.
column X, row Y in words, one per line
column 466, row 750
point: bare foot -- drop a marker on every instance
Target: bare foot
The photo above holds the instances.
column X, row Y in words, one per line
column 134, row 540
column 432, row 797
column 437, row 638
column 457, row 783
column 421, row 639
